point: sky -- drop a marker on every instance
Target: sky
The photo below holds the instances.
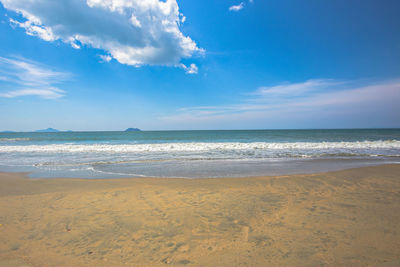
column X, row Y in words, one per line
column 91, row 65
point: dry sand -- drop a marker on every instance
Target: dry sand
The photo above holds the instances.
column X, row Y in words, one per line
column 349, row 218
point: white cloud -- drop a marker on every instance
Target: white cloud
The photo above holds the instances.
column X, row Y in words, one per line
column 22, row 77
column 313, row 103
column 291, row 90
column 134, row 32
column 48, row 93
column 192, row 69
column 236, row 7
column 105, row 58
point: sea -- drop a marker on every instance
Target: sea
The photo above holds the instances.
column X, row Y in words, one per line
column 195, row 154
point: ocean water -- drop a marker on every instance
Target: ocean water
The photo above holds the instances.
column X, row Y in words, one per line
column 195, row 153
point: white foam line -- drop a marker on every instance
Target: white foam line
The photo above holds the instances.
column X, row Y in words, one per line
column 190, row 147
column 14, row 139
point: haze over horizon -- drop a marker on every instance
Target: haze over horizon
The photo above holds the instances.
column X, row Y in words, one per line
column 163, row 65
column 161, row 130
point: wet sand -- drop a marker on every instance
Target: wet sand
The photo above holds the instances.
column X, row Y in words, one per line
column 344, row 218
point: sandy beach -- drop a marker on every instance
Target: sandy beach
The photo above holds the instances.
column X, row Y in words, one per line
column 343, row 218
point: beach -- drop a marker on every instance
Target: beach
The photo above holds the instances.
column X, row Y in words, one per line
column 342, row 218
column 146, row 133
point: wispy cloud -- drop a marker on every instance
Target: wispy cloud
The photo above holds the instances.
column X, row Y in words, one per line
column 240, row 6
column 236, row 7
column 283, row 104
column 23, row 77
column 105, row 58
column 191, row 69
column 295, row 89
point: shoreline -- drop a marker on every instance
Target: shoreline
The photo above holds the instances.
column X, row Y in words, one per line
column 330, row 167
column 26, row 175
column 346, row 217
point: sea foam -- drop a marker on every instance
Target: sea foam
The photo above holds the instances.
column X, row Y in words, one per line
column 200, row 146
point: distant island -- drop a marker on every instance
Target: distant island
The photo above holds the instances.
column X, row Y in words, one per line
column 48, row 130
column 133, row 130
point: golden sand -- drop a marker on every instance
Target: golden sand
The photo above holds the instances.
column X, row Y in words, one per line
column 349, row 218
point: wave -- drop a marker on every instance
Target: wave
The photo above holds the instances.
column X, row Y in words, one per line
column 201, row 147
column 14, row 139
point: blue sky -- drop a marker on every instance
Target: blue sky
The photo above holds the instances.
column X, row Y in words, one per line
column 110, row 65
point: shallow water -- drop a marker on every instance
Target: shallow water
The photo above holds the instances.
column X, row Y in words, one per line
column 195, row 153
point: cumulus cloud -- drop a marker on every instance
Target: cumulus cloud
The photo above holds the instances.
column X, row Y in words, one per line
column 236, row 7
column 134, row 32
column 313, row 103
column 22, row 77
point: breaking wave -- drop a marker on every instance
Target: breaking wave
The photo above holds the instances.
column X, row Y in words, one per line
column 201, row 147
column 14, row 139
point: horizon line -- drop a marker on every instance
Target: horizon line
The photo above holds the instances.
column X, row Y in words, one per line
column 177, row 130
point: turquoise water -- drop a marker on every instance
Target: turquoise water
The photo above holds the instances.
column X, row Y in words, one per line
column 195, row 153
